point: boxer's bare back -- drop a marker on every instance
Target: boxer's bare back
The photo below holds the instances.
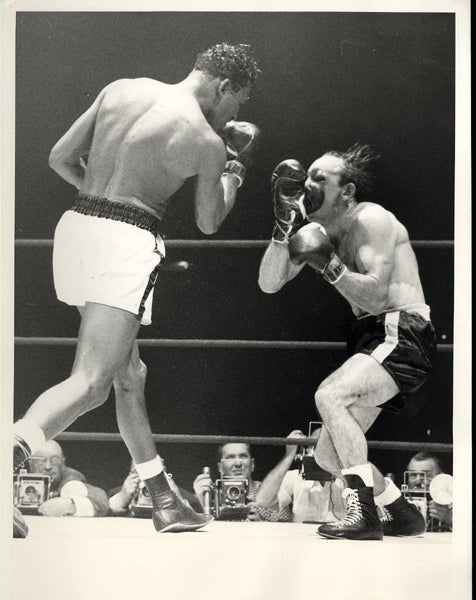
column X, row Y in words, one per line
column 146, row 142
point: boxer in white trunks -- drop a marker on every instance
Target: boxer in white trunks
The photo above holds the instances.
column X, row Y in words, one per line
column 127, row 155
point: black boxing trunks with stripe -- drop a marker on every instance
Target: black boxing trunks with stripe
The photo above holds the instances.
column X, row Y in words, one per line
column 403, row 342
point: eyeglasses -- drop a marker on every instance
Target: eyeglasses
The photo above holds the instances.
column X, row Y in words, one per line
column 36, row 464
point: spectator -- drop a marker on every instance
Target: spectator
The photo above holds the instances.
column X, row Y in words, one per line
column 235, row 460
column 120, row 497
column 70, row 494
column 290, row 497
column 423, row 467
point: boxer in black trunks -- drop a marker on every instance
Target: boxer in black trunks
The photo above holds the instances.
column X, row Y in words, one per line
column 127, row 155
column 365, row 253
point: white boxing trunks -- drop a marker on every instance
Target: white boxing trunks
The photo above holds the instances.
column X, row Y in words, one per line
column 109, row 253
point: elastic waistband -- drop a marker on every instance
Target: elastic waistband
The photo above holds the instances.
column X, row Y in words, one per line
column 418, row 308
column 103, row 208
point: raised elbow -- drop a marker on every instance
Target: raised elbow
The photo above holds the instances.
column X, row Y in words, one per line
column 208, row 225
column 55, row 161
column 269, row 285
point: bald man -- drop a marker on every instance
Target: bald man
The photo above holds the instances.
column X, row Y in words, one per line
column 70, row 493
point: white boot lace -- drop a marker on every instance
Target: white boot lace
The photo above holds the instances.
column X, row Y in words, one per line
column 385, row 514
column 354, row 509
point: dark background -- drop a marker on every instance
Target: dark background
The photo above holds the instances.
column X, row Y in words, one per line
column 329, row 79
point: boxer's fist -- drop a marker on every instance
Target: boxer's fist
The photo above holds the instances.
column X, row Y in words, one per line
column 312, row 246
column 241, row 141
column 287, row 189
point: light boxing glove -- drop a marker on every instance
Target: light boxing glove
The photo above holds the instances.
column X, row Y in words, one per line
column 241, row 140
column 288, row 195
column 312, row 246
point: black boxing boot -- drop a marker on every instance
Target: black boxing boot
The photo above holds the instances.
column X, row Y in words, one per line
column 21, row 451
column 362, row 521
column 169, row 512
column 402, row 518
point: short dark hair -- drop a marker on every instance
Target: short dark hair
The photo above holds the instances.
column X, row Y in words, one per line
column 225, row 61
column 438, row 459
column 220, row 448
column 357, row 160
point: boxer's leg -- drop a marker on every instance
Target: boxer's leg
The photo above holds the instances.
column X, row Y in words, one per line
column 170, row 513
column 105, row 339
column 325, row 453
column 347, row 402
column 131, row 410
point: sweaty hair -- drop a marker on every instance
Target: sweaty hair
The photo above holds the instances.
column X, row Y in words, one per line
column 225, row 61
column 357, row 160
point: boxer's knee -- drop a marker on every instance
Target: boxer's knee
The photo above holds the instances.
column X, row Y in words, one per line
column 131, row 380
column 327, row 401
column 94, row 388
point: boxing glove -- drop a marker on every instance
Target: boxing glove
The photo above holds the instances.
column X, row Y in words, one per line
column 288, row 195
column 241, row 140
column 312, row 246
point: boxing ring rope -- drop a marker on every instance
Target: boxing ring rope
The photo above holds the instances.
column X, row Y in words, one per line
column 228, row 343
column 166, row 438
column 47, row 243
column 194, row 343
column 202, row 343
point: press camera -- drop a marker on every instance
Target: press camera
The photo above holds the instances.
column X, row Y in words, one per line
column 230, row 499
column 305, row 462
column 141, row 503
column 30, row 490
column 419, row 492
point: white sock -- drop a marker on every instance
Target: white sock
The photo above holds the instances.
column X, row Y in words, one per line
column 149, row 469
column 363, row 471
column 30, row 433
column 389, row 495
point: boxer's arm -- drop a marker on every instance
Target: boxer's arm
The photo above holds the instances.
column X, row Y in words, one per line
column 375, row 240
column 276, row 269
column 65, row 157
column 215, row 191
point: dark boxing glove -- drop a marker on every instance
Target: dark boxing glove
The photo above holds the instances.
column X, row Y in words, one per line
column 312, row 246
column 241, row 140
column 287, row 188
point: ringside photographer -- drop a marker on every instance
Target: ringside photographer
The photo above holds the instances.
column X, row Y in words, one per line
column 231, row 497
column 305, row 493
column 48, row 487
column 427, row 483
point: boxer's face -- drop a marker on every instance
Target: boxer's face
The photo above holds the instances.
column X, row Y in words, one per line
column 323, row 185
column 228, row 104
column 236, row 461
